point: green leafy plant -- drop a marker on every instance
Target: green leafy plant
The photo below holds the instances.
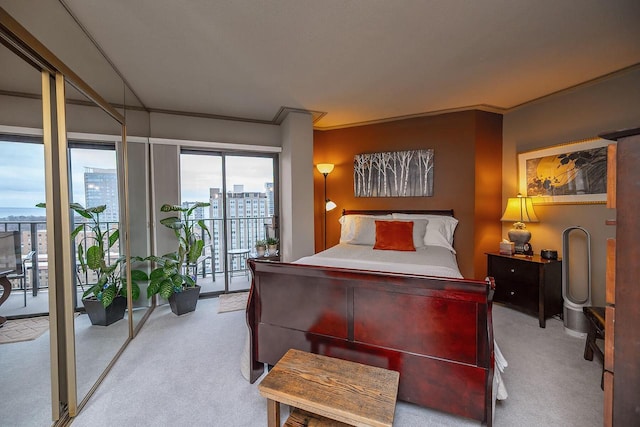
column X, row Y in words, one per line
column 171, row 272
column 272, row 241
column 261, row 244
column 112, row 279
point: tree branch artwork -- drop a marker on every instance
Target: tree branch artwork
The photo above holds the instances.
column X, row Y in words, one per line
column 394, row 174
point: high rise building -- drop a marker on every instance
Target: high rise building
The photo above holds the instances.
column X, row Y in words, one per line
column 245, row 213
column 268, row 186
column 198, row 213
column 101, row 188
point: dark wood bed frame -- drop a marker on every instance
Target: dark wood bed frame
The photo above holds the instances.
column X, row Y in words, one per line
column 437, row 332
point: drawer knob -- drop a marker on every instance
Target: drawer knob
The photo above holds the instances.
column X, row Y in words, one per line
column 513, row 270
column 512, row 293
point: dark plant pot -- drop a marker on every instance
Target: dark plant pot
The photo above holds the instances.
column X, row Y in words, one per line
column 105, row 316
column 185, row 301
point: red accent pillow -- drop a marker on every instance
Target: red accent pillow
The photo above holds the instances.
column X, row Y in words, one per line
column 394, row 236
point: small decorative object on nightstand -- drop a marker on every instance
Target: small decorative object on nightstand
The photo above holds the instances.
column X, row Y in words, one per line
column 261, row 247
column 529, row 283
column 507, row 248
column 548, row 254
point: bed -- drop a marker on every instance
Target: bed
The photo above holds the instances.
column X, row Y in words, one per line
column 403, row 309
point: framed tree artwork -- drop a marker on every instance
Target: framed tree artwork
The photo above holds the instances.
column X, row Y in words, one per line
column 571, row 173
column 394, row 174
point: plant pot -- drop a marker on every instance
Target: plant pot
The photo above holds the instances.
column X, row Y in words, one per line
column 272, row 250
column 101, row 316
column 185, row 301
column 260, row 250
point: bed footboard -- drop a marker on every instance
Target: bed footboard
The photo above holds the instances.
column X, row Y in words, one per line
column 436, row 332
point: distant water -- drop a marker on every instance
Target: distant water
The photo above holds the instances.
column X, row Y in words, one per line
column 6, row 213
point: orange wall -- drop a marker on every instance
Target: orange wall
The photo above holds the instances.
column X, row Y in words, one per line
column 467, row 176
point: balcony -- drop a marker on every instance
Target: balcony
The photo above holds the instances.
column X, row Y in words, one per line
column 222, row 267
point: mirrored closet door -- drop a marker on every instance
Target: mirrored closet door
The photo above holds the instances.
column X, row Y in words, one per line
column 47, row 106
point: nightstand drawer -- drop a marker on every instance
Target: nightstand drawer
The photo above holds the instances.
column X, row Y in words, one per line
column 508, row 270
column 520, row 294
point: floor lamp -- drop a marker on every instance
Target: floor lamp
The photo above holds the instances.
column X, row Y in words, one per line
column 325, row 169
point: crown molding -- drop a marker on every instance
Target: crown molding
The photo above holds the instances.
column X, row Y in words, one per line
column 284, row 111
column 481, row 107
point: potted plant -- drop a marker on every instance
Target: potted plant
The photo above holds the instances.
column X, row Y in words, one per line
column 106, row 300
column 261, row 247
column 174, row 277
column 272, row 246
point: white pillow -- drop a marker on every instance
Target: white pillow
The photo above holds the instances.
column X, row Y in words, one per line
column 348, row 228
column 361, row 229
column 419, row 230
column 364, row 231
column 440, row 229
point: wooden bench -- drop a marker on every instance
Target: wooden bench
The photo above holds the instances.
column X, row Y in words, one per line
column 329, row 392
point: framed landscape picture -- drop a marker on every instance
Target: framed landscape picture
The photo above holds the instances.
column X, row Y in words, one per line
column 394, row 174
column 571, row 173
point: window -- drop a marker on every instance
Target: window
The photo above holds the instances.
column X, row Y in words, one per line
column 242, row 183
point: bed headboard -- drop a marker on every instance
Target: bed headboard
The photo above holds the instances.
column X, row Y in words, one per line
column 446, row 212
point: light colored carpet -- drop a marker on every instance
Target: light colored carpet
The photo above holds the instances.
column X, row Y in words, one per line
column 17, row 330
column 232, row 302
column 549, row 382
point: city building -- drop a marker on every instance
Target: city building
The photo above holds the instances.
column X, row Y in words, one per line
column 246, row 214
column 101, row 188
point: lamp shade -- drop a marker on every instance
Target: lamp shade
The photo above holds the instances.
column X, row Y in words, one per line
column 519, row 209
column 329, row 205
column 324, row 168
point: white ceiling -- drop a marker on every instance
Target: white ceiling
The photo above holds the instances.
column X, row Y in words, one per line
column 358, row 60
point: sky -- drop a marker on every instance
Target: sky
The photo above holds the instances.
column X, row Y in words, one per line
column 22, row 173
column 199, row 173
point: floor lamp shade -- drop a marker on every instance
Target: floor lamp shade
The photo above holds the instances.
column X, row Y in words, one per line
column 519, row 210
column 325, row 169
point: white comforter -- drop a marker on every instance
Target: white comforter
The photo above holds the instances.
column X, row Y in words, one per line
column 428, row 260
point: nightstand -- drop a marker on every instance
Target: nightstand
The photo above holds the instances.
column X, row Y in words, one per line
column 265, row 257
column 528, row 283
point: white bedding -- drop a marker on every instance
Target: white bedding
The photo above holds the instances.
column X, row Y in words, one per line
column 427, row 260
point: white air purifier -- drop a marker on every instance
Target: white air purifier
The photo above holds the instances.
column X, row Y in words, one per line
column 575, row 322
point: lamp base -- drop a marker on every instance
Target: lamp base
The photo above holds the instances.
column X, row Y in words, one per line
column 520, row 237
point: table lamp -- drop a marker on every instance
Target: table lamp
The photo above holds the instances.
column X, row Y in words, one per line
column 520, row 210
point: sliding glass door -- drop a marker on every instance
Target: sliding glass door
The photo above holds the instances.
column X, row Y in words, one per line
column 243, row 202
column 25, row 345
column 21, row 188
column 201, row 177
column 94, row 182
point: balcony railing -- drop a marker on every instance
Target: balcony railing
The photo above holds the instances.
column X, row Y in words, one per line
column 33, row 236
column 241, row 233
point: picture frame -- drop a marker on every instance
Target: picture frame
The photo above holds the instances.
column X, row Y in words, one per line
column 569, row 173
column 406, row 173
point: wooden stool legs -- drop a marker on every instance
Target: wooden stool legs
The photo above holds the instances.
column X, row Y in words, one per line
column 595, row 315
